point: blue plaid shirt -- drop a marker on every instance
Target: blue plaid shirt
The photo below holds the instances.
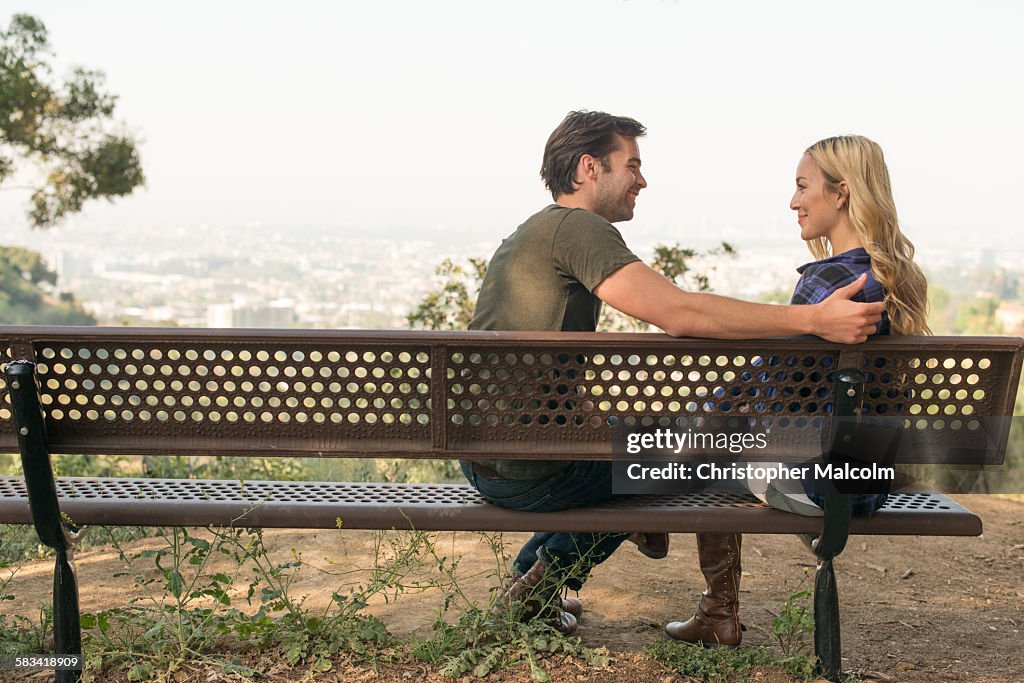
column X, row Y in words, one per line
column 818, row 280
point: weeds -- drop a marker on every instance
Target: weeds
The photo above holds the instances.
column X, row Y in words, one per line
column 792, row 630
column 794, row 625
column 189, row 612
column 300, row 635
column 19, row 634
column 713, row 665
column 482, row 640
column 184, row 613
column 479, row 643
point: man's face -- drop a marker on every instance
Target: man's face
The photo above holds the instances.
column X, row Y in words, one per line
column 619, row 181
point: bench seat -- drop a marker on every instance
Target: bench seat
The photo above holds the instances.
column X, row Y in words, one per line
column 446, row 507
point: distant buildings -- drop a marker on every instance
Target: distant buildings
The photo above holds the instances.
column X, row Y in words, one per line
column 1011, row 316
column 238, row 275
column 240, row 313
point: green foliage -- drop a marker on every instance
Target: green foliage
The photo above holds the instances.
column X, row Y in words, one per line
column 450, row 307
column 480, row 643
column 792, row 630
column 677, row 264
column 978, row 317
column 29, row 264
column 60, row 133
column 941, row 310
column 184, row 610
column 484, row 640
column 794, row 625
column 315, row 638
column 19, row 634
column 62, row 129
column 722, row 664
column 26, row 292
column 187, row 614
column 19, row 543
column 689, row 269
column 776, row 296
column 224, row 467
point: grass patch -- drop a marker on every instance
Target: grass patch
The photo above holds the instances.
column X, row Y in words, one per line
column 792, row 631
column 722, row 664
column 188, row 615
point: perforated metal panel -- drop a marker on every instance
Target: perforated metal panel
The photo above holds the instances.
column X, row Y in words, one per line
column 572, row 401
column 944, row 396
column 362, row 396
column 324, row 505
column 483, row 394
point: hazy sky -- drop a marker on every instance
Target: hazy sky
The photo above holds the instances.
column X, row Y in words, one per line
column 423, row 114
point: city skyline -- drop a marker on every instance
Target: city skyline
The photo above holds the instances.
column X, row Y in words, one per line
column 259, row 276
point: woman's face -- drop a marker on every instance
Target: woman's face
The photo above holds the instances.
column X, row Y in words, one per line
column 818, row 211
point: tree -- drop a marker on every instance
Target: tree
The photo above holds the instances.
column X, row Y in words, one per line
column 61, row 130
column 687, row 268
column 450, row 307
column 27, row 296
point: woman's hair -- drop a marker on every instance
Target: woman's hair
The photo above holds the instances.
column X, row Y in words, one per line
column 859, row 163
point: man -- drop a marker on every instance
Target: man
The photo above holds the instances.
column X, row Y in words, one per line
column 553, row 273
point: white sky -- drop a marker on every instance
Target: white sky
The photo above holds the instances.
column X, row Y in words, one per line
column 416, row 115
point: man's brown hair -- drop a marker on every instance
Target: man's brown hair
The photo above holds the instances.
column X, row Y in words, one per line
column 582, row 132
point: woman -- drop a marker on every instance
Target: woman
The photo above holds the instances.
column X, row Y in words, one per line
column 847, row 216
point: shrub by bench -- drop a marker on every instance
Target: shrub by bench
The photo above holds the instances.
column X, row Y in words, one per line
column 261, row 393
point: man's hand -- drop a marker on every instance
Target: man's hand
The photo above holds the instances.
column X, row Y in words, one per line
column 838, row 319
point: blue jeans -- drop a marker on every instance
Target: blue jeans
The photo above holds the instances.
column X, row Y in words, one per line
column 570, row 555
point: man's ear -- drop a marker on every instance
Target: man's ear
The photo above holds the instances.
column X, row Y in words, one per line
column 588, row 167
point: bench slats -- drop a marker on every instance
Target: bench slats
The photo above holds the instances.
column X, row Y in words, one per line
column 446, row 507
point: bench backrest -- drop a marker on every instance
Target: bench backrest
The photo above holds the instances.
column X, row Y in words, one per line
column 494, row 394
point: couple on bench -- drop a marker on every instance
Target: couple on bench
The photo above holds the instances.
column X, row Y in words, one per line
column 555, row 271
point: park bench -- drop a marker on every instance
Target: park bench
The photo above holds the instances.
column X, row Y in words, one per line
column 413, row 394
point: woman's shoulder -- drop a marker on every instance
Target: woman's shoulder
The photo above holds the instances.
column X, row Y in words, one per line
column 818, row 279
column 855, row 262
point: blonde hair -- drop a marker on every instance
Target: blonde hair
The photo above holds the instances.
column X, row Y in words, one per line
column 859, row 163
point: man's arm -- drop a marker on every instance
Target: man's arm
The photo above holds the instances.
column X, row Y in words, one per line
column 641, row 292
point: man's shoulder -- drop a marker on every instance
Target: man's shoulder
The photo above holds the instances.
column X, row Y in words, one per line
column 556, row 215
column 566, row 228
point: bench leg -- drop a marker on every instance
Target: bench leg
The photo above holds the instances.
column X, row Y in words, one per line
column 827, row 644
column 67, row 630
column 835, row 530
column 50, row 525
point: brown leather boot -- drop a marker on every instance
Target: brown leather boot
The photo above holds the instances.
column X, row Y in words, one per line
column 573, row 606
column 717, row 620
column 536, row 590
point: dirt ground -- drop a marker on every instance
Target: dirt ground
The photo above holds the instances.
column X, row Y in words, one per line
column 916, row 609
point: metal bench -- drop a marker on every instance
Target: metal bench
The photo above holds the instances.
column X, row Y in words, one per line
column 260, row 393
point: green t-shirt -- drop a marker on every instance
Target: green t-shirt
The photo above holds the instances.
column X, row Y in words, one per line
column 542, row 278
